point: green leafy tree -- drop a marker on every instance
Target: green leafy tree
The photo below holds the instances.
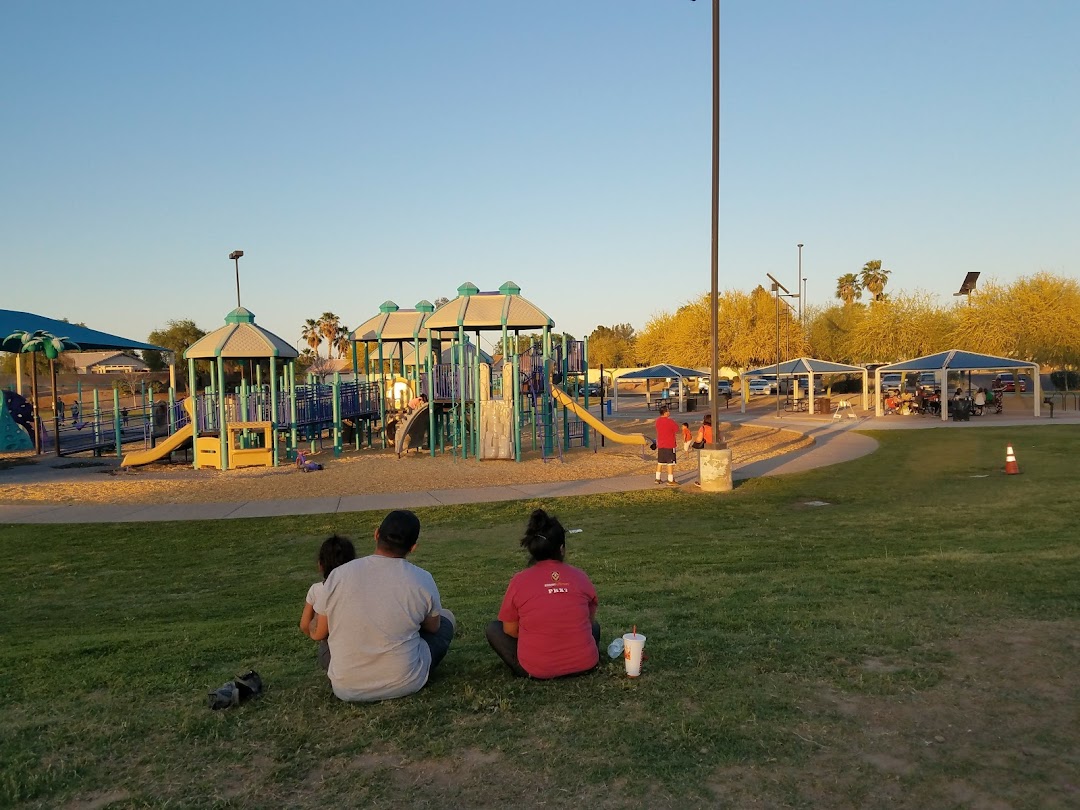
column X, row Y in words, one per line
column 177, row 336
column 612, row 347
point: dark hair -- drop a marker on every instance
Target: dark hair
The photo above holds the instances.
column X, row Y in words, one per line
column 335, row 551
column 707, row 420
column 544, row 537
column 663, row 410
column 399, row 532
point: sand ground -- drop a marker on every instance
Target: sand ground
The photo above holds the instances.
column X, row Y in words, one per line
column 360, row 472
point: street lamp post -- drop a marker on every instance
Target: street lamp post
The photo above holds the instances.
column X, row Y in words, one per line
column 235, row 256
column 776, row 288
column 800, row 287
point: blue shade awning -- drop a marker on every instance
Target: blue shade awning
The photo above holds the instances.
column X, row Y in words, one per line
column 87, row 339
column 806, row 365
column 959, row 360
column 662, row 370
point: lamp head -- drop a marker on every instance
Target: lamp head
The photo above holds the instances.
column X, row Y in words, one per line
column 236, row 254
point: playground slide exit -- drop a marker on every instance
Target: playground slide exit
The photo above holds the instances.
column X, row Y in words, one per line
column 162, row 450
column 622, row 438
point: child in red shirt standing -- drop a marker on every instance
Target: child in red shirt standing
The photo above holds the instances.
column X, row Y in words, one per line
column 666, row 431
column 546, row 626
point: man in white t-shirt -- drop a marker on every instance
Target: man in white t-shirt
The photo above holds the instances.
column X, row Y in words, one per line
column 382, row 618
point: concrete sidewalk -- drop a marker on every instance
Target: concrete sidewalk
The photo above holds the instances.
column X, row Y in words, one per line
column 834, row 442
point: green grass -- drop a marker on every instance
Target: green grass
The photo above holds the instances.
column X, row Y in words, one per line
column 755, row 606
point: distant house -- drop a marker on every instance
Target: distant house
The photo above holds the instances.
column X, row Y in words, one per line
column 107, row 363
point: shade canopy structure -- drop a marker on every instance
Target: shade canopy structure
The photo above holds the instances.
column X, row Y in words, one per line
column 474, row 310
column 660, row 371
column 394, row 323
column 87, row 339
column 960, row 360
column 240, row 339
column 810, row 367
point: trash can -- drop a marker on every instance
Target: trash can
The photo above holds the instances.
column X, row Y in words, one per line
column 823, row 405
column 691, row 404
column 607, row 407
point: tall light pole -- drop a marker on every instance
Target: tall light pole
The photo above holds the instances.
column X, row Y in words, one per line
column 235, row 256
column 800, row 287
column 776, row 288
column 718, row 442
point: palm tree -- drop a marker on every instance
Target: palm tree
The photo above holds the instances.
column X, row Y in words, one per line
column 51, row 345
column 329, row 325
column 341, row 341
column 874, row 278
column 311, row 334
column 848, row 288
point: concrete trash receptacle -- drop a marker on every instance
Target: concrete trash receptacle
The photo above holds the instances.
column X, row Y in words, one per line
column 823, row 405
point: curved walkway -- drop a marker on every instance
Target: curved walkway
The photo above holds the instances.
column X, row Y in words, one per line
column 834, row 442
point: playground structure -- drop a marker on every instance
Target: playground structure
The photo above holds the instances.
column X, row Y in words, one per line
column 476, row 406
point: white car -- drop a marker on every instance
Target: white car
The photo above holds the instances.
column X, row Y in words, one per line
column 759, row 385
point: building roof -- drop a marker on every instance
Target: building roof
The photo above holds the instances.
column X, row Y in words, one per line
column 87, row 339
column 475, row 310
column 240, row 338
column 87, row 359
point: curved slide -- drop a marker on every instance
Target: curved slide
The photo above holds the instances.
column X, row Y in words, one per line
column 622, row 438
column 165, row 448
column 413, row 429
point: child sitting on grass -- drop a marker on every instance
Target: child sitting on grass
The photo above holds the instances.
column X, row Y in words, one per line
column 333, row 552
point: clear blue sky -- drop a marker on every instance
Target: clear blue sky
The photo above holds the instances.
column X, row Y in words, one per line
column 360, row 152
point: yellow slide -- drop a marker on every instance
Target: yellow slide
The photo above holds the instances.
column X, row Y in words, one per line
column 622, row 438
column 164, row 448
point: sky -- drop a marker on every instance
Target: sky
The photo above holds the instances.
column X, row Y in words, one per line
column 359, row 152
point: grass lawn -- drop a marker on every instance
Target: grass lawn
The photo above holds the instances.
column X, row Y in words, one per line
column 913, row 643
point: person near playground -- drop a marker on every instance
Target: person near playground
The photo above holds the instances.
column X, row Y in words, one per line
column 704, row 436
column 666, row 431
column 687, row 437
column 382, row 618
column 60, row 405
column 547, row 622
column 980, row 400
column 334, row 552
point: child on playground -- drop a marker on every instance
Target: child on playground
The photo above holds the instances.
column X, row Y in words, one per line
column 334, row 551
column 304, row 465
column 687, row 437
column 667, row 431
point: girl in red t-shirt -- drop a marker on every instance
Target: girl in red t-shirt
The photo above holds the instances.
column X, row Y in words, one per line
column 546, row 626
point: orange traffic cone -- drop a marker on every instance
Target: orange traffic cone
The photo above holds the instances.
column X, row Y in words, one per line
column 1011, row 467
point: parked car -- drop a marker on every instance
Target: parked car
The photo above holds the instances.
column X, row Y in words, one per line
column 891, row 383
column 1007, row 382
column 928, row 380
column 594, row 389
column 762, row 385
column 723, row 387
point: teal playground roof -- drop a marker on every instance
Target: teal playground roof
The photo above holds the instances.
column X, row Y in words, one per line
column 87, row 339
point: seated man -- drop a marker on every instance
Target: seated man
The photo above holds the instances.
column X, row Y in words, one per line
column 381, row 617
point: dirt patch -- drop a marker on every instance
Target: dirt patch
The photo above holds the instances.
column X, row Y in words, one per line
column 376, row 471
column 998, row 731
column 99, row 800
